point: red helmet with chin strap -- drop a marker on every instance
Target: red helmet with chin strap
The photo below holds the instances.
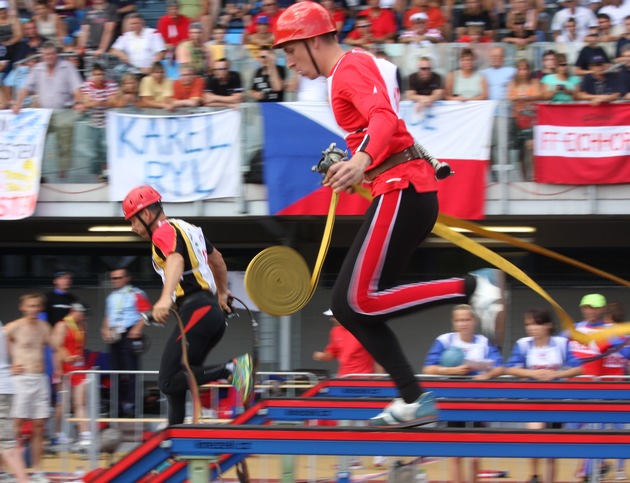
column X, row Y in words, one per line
column 303, row 20
column 138, row 199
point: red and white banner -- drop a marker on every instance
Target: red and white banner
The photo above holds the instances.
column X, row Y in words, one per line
column 22, row 138
column 582, row 144
column 458, row 133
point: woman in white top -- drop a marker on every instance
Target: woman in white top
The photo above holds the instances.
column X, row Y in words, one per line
column 466, row 83
column 49, row 24
column 544, row 357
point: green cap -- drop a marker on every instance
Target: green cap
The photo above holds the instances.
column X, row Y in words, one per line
column 595, row 300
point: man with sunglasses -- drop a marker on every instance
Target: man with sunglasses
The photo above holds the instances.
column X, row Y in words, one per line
column 224, row 87
column 122, row 331
column 425, row 86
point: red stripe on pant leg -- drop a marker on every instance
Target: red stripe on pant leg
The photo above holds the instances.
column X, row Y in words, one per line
column 195, row 318
column 363, row 295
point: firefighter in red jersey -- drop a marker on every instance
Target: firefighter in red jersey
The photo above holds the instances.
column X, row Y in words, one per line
column 195, row 279
column 402, row 213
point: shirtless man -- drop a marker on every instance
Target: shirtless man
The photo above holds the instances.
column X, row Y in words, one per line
column 28, row 337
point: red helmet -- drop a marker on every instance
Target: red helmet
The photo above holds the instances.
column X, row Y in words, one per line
column 138, row 199
column 303, row 20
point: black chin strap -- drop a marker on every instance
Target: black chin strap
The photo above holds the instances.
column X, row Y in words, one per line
column 147, row 226
column 310, row 54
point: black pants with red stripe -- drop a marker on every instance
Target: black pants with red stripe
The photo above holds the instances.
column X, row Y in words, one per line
column 204, row 323
column 366, row 294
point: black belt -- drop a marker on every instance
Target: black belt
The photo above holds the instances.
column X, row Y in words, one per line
column 409, row 154
column 182, row 301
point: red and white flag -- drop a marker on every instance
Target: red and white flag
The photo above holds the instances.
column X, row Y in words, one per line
column 458, row 133
column 582, row 144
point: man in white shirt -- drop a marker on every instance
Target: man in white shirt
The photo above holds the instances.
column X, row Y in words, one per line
column 584, row 19
column 140, row 46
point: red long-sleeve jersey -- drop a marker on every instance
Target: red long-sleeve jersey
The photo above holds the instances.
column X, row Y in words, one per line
column 365, row 106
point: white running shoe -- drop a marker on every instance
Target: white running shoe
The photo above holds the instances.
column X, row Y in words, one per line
column 488, row 300
column 402, row 415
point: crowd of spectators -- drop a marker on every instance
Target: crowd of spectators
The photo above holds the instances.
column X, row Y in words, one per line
column 186, row 61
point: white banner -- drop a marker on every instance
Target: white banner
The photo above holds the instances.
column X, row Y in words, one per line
column 186, row 158
column 452, row 129
column 22, row 140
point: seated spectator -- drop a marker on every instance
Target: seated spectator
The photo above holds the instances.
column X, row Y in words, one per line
column 128, row 95
column 548, row 64
column 124, row 8
column 560, row 87
column 584, row 19
column 617, row 13
column 235, row 16
column 338, row 14
column 383, row 22
column 97, row 95
column 268, row 83
column 156, row 90
column 598, row 86
column 473, row 14
column 68, row 13
column 474, row 35
column 418, row 34
column 435, row 17
column 30, row 44
column 56, row 82
column 215, row 48
column 498, row 76
column 97, row 28
column 624, row 72
column 623, row 40
column 605, row 29
column 591, row 50
column 5, row 50
column 271, row 11
column 542, row 356
column 192, row 52
column 261, row 36
column 16, row 80
column 480, row 359
column 173, row 27
column 188, row 89
column 361, row 34
column 224, row 87
column 10, row 35
column 519, row 36
column 425, row 86
column 204, row 12
column 466, row 83
column 522, row 10
column 49, row 24
column 523, row 92
column 569, row 33
column 140, row 47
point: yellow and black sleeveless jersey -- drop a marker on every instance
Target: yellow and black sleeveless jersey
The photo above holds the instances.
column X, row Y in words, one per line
column 178, row 236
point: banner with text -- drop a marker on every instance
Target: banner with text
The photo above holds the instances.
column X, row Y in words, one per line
column 456, row 132
column 22, row 138
column 582, row 144
column 185, row 157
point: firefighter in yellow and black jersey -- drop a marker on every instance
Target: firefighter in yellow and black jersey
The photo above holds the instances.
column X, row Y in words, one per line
column 194, row 277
